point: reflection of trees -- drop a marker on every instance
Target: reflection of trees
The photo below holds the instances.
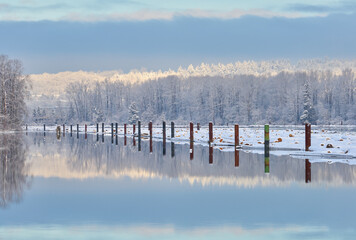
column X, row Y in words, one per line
column 106, row 158
column 13, row 172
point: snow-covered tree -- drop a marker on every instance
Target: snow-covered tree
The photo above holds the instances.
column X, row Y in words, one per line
column 309, row 114
column 133, row 113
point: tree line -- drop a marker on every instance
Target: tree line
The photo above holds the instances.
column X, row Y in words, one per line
column 318, row 97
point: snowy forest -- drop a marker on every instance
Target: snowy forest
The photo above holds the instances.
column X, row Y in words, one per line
column 318, row 97
column 14, row 89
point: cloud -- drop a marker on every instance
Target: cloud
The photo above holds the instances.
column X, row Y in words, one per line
column 342, row 7
column 146, row 14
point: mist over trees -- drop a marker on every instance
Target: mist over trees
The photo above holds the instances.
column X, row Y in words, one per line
column 14, row 88
column 319, row 97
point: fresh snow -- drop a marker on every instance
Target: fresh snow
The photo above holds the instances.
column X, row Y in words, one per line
column 284, row 140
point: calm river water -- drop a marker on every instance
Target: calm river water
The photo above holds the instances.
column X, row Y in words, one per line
column 95, row 187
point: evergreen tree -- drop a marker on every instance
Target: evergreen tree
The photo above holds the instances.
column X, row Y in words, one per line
column 309, row 114
column 133, row 113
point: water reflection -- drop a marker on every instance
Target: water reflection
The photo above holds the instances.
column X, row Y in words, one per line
column 13, row 169
column 87, row 158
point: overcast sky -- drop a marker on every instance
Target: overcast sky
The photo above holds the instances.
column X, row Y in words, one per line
column 54, row 36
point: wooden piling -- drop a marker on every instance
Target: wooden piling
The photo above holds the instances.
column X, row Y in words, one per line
column 133, row 129
column 77, row 130
column 191, row 132
column 150, row 130
column 172, row 129
column 26, row 127
column 44, row 127
column 164, row 131
column 139, row 135
column 211, row 140
column 97, row 127
column 125, row 129
column 71, row 130
column 86, row 128
column 307, row 136
column 112, row 129
column 64, row 130
column 237, row 136
column 116, row 128
column 267, row 139
column 103, row 128
column 266, row 148
column 198, row 126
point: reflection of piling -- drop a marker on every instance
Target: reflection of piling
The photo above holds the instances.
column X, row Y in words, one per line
column 64, row 130
column 164, row 137
column 172, row 150
column 112, row 129
column 211, row 133
column 236, row 136
column 102, row 137
column 266, row 148
column 71, row 130
column 307, row 171
column 116, row 129
column 237, row 158
column 211, row 154
column 125, row 126
column 116, row 140
column 77, row 130
column 97, row 137
column 139, row 135
column 86, row 130
column 191, row 141
column 133, row 141
column 125, row 140
column 172, row 129
column 133, row 129
column 58, row 132
column 150, row 130
column 307, row 136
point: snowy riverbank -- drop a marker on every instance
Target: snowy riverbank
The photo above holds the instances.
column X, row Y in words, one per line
column 284, row 140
